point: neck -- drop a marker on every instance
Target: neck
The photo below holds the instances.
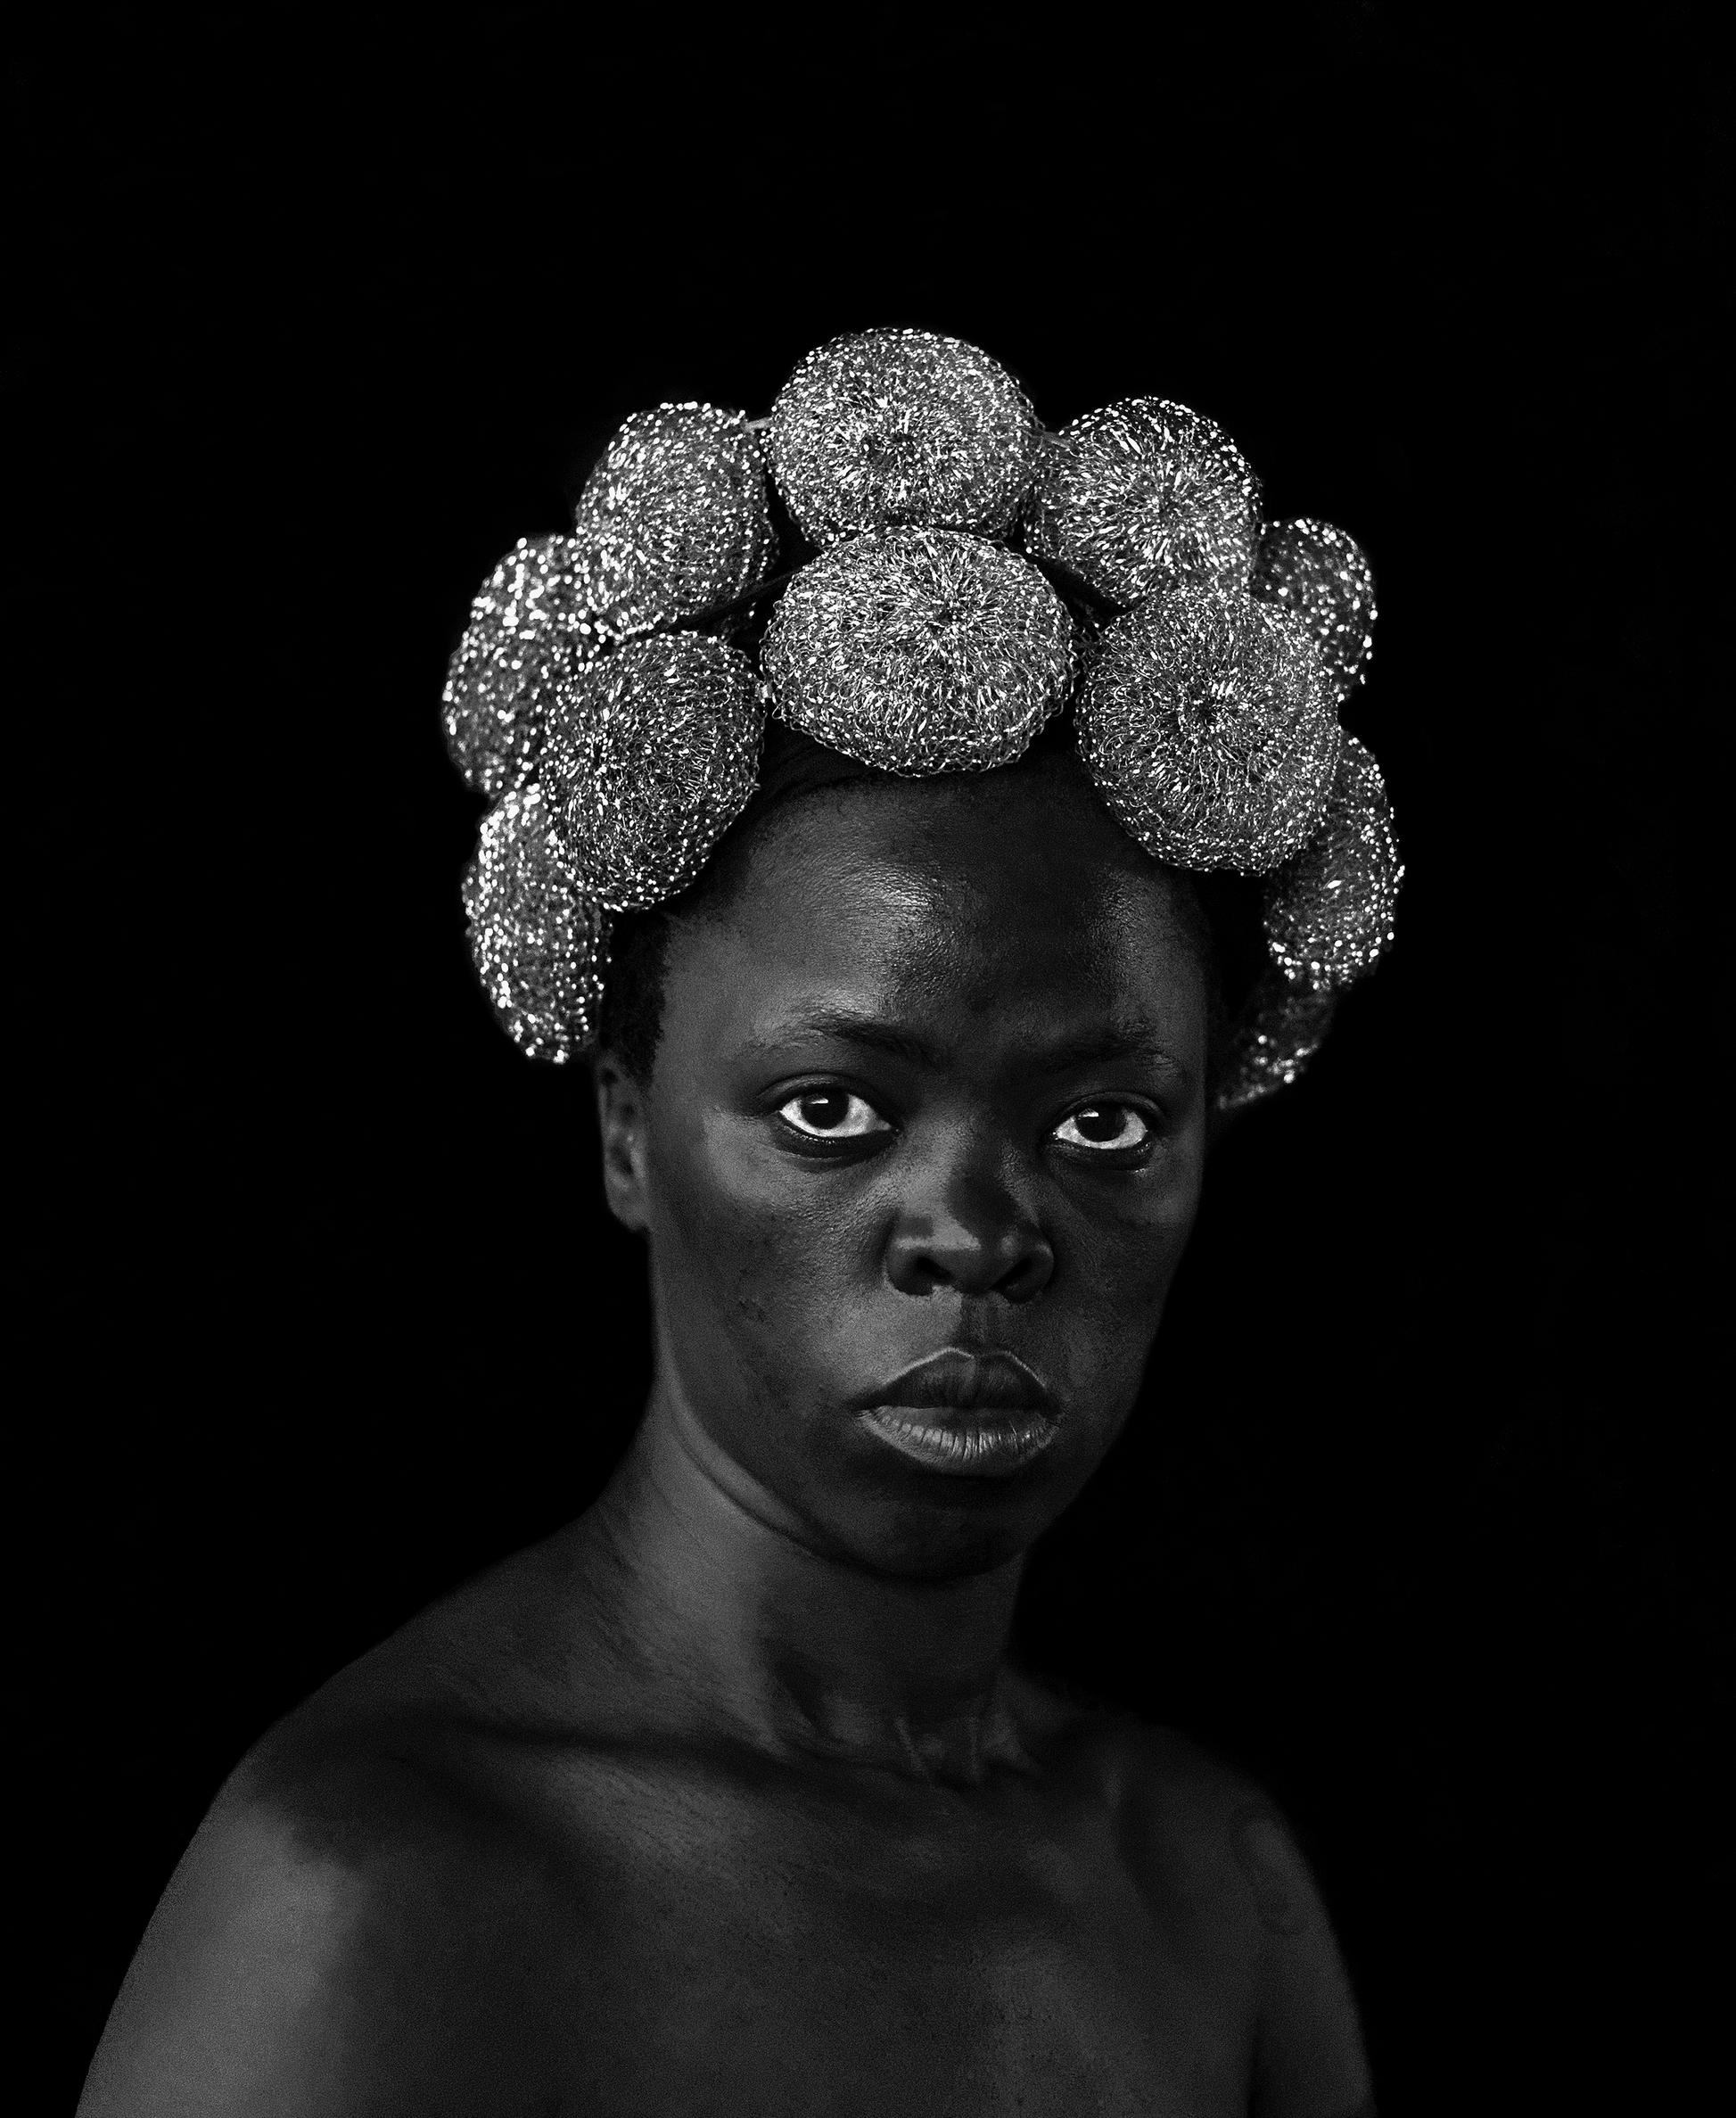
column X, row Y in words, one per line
column 705, row 1588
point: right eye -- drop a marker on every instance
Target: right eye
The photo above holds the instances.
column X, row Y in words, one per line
column 832, row 1114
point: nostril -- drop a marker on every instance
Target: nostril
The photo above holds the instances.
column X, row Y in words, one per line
column 1030, row 1275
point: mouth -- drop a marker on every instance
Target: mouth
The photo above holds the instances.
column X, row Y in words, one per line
column 974, row 1415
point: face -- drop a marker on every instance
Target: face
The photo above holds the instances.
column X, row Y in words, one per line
column 917, row 1161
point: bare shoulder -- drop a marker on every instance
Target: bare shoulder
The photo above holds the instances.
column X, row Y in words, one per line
column 242, row 1989
column 1209, row 1842
column 359, row 1922
column 1179, row 1805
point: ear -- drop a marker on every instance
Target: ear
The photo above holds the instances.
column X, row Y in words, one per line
column 621, row 1121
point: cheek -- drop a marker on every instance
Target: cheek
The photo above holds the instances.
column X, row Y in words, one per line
column 753, row 1259
column 1116, row 1267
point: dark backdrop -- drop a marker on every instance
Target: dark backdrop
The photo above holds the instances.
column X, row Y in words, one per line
column 320, row 1309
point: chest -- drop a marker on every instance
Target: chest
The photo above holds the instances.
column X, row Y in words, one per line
column 762, row 1957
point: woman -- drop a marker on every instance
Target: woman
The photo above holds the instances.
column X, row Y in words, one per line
column 906, row 1056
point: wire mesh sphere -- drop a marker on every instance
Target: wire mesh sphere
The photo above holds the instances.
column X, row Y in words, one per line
column 1277, row 1034
column 1324, row 577
column 651, row 756
column 887, row 427
column 529, row 621
column 1207, row 724
column 540, row 944
column 919, row 651
column 1328, row 913
column 1141, row 496
column 674, row 519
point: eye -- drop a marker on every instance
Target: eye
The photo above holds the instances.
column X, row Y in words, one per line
column 1105, row 1128
column 832, row 1114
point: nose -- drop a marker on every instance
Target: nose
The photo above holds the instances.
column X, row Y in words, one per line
column 965, row 1226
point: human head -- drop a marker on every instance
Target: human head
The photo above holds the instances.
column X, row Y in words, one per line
column 1072, row 661
column 956, row 970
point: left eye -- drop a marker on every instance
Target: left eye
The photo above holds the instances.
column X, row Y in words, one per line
column 1104, row 1128
column 832, row 1114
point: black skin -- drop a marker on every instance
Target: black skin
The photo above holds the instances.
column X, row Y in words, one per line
column 727, row 1797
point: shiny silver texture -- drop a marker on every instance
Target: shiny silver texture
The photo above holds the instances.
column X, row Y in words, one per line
column 651, row 756
column 886, row 427
column 1207, row 724
column 530, row 620
column 1279, row 1031
column 1328, row 913
column 619, row 748
column 1323, row 576
column 920, row 651
column 1141, row 496
column 674, row 519
column 539, row 944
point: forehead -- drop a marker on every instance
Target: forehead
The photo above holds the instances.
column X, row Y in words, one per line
column 974, row 910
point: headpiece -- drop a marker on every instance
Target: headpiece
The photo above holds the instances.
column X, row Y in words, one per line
column 954, row 577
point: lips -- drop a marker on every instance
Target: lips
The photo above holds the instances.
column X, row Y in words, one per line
column 972, row 1414
column 954, row 1380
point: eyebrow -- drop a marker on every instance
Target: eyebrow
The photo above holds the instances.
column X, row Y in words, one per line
column 866, row 1030
column 1093, row 1047
column 1090, row 1048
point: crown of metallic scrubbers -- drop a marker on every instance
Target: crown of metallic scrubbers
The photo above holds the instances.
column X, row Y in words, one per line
column 965, row 576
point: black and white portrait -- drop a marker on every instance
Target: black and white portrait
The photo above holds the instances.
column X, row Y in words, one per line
column 862, row 1263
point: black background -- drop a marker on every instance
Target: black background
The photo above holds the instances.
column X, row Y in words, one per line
column 320, row 1310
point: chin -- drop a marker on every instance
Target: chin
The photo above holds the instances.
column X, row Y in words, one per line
column 946, row 1537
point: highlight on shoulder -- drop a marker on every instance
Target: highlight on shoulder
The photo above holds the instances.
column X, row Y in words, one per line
column 334, row 1935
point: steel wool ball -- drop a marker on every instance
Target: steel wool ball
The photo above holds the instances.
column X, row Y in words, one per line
column 1207, row 724
column 651, row 756
column 920, row 651
column 674, row 519
column 529, row 621
column 1277, row 1034
column 1324, row 577
column 887, row 427
column 1144, row 495
column 540, row 944
column 1328, row 913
